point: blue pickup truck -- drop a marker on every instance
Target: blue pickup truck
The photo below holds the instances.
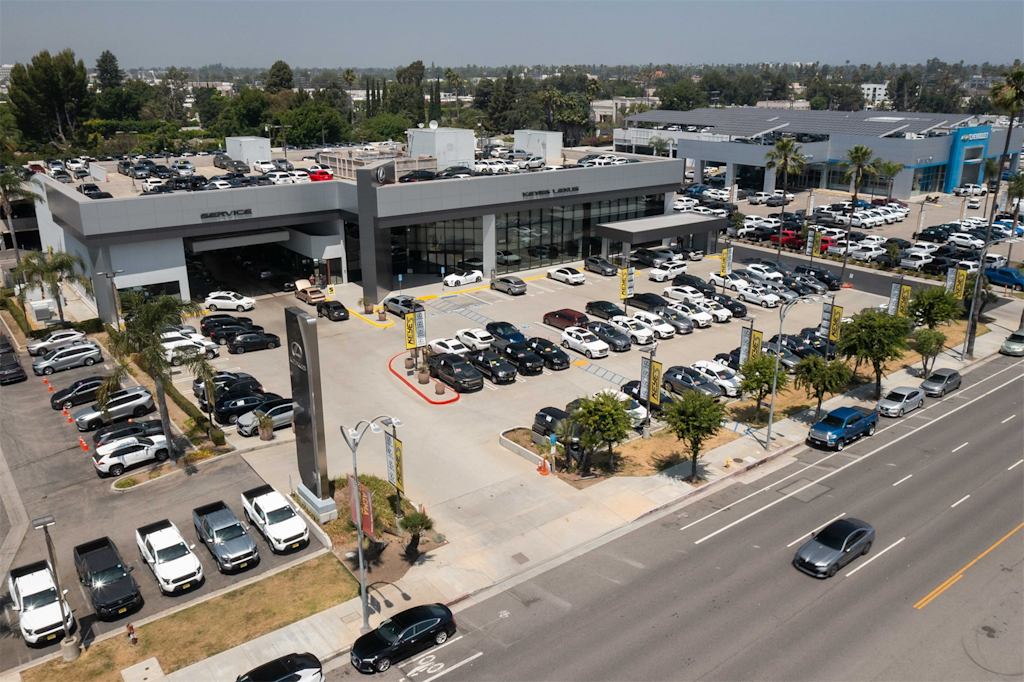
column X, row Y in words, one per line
column 1006, row 277
column 843, row 425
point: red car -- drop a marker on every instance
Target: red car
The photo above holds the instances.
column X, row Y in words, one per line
column 319, row 175
column 36, row 168
column 792, row 240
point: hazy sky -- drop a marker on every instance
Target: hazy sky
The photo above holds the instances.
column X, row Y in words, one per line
column 496, row 32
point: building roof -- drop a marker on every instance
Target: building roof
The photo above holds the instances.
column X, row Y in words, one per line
column 753, row 121
column 657, row 227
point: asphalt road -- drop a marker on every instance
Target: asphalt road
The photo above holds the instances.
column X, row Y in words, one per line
column 708, row 592
column 55, row 477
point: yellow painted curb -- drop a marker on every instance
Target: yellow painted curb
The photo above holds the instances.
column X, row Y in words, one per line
column 376, row 324
column 580, row 363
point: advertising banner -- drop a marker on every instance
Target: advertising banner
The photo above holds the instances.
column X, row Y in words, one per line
column 756, row 342
column 654, row 384
column 835, row 323
column 960, row 285
column 393, row 455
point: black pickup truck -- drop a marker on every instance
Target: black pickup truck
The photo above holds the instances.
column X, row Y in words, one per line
column 107, row 580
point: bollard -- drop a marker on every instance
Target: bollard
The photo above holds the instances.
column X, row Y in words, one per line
column 438, row 388
column 132, row 637
column 423, row 377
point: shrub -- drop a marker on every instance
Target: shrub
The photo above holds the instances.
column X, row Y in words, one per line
column 125, row 483
column 19, row 315
column 217, row 436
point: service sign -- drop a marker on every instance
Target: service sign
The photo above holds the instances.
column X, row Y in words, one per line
column 726, row 262
column 903, row 304
column 626, row 282
column 645, row 376
column 415, row 330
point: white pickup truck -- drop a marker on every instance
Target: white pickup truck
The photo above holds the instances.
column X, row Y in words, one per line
column 165, row 551
column 270, row 512
column 34, row 596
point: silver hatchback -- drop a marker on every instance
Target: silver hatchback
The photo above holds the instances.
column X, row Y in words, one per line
column 78, row 355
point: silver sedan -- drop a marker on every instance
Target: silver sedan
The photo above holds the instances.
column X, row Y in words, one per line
column 834, row 546
column 899, row 401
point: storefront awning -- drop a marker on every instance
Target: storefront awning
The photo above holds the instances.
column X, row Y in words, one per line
column 654, row 228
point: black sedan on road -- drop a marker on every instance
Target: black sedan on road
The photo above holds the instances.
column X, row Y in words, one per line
column 834, row 546
column 78, row 393
column 230, row 408
column 403, row 635
column 603, row 309
column 553, row 356
column 492, row 366
column 601, row 266
column 250, row 340
column 615, row 339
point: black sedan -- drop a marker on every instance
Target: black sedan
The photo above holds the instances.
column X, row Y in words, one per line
column 81, row 391
column 526, row 361
column 250, row 340
column 601, row 266
column 225, row 333
column 453, row 370
column 834, row 546
column 731, row 304
column 680, row 379
column 211, row 322
column 492, row 366
column 332, row 310
column 403, row 635
column 603, row 309
column 615, row 339
column 418, row 176
column 695, row 282
column 222, row 380
column 646, row 301
column 234, row 390
column 553, row 356
column 119, row 430
column 229, row 409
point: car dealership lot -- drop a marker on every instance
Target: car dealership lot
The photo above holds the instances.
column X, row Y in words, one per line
column 54, row 476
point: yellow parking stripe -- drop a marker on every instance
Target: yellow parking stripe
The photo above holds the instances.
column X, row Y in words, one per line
column 378, row 325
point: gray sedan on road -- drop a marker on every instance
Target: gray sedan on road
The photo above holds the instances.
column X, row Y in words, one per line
column 940, row 382
column 899, row 401
column 834, row 546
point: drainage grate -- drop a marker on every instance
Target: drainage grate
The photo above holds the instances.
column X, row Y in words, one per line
column 520, row 558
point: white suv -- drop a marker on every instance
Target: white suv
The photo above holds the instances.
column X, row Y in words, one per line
column 227, row 300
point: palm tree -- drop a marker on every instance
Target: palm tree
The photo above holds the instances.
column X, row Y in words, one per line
column 13, row 188
column 784, row 156
column 139, row 341
column 991, row 174
column 889, row 170
column 1007, row 97
column 49, row 270
column 349, row 78
column 859, row 165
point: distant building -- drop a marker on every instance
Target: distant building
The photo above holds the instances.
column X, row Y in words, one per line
column 799, row 104
column 614, row 110
column 874, row 93
column 5, row 76
column 981, row 85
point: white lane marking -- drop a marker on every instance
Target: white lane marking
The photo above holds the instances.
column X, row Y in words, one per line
column 851, row 463
column 548, row 373
column 902, row 479
column 1008, row 419
column 811, row 466
column 490, row 387
column 958, row 447
column 1015, row 464
column 816, row 529
column 436, row 648
column 457, row 665
column 876, row 556
column 962, row 499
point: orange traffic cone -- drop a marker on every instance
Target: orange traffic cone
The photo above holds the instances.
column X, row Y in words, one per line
column 50, row 388
column 70, row 420
column 542, row 468
column 82, row 444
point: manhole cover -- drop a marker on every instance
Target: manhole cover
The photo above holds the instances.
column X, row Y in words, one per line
column 806, row 494
column 520, row 558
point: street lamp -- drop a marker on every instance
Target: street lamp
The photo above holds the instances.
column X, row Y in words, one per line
column 352, row 438
column 69, row 645
column 783, row 309
column 113, row 289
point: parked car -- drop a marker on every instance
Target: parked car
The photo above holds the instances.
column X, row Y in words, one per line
column 121, row 430
column 404, row 634
column 653, row 257
column 566, row 275
column 820, row 274
column 899, row 401
column 941, row 381
column 646, row 301
column 442, row 346
column 585, row 342
column 114, row 457
column 422, row 175
column 504, row 333
column 164, row 550
column 78, row 355
column 280, row 412
column 222, row 533
column 661, row 328
column 79, row 392
column 737, row 309
column 333, row 310
column 565, row 317
column 969, row 190
column 525, row 360
column 275, row 518
column 492, row 365
column 135, row 401
column 1014, row 344
column 680, row 379
column 402, row 304
column 459, row 278
column 833, row 547
column 760, row 296
column 612, row 336
column 225, row 333
column 553, row 356
column 667, row 270
column 303, row 667
column 509, row 284
column 228, row 300
column 106, row 579
column 695, row 282
column 1006, row 277
column 43, row 612
column 603, row 309
column 228, row 409
column 601, row 266
column 475, row 339
column 224, row 380
column 638, row 332
column 57, row 339
column 843, row 425
column 307, row 293
column 11, row 371
column 632, row 390
column 720, row 375
column 455, row 371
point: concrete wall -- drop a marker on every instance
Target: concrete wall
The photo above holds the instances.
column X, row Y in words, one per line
column 450, row 146
column 151, row 262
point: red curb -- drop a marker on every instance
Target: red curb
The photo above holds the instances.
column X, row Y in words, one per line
column 416, row 389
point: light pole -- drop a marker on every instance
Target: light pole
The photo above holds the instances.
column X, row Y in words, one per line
column 69, row 645
column 352, row 438
column 783, row 309
column 113, row 290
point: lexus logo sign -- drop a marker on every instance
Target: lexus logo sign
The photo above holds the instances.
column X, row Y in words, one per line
column 382, row 175
column 296, row 355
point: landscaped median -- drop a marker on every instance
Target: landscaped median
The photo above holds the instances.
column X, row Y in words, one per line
column 213, row 626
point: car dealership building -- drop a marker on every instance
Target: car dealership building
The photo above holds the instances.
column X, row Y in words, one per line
column 369, row 229
column 938, row 151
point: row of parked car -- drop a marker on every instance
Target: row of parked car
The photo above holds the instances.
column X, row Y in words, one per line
column 44, row 614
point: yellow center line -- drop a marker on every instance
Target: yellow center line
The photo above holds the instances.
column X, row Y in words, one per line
column 952, row 580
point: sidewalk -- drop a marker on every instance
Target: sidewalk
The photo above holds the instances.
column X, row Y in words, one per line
column 526, row 522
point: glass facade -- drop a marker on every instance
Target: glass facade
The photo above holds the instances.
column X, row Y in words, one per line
column 929, row 179
column 425, row 248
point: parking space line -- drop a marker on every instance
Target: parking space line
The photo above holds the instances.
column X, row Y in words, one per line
column 908, row 476
column 1008, row 419
column 876, row 556
column 432, row 650
column 958, row 447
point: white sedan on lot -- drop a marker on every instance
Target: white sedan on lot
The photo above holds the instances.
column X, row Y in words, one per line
column 475, row 339
column 438, row 346
column 461, row 277
column 720, row 375
column 765, row 271
column 759, row 296
column 716, row 310
column 698, row 316
column 684, row 293
column 966, row 241
column 666, row 270
column 661, row 328
column 733, row 280
column 263, row 166
column 637, row 332
column 585, row 342
column 229, row 300
column 567, row 275
column 684, row 204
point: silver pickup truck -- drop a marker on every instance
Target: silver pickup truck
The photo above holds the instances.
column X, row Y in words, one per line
column 219, row 529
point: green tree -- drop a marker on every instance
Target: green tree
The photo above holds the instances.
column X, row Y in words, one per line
column 903, row 91
column 243, row 114
column 415, row 524
column 50, row 96
column 889, row 170
column 784, row 156
column 108, row 72
column 139, row 341
column 168, row 102
column 602, row 419
column 819, row 377
column 694, row 419
column 934, row 306
column 928, row 343
column 682, row 95
column 757, row 377
column 124, row 103
column 314, row 121
column 13, row 188
column 208, row 105
column 384, row 126
column 279, row 77
column 659, row 145
column 859, row 166
column 875, row 337
column 49, row 270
